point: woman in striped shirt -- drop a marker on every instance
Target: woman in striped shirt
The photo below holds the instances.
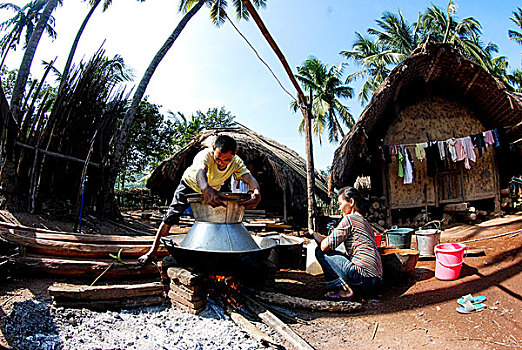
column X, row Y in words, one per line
column 357, row 270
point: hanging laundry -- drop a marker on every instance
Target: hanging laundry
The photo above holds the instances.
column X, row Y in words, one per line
column 479, row 142
column 408, row 169
column 420, row 152
column 432, row 159
column 401, row 160
column 459, row 150
column 393, row 150
column 488, row 136
column 451, row 148
column 442, row 152
column 497, row 139
column 469, row 151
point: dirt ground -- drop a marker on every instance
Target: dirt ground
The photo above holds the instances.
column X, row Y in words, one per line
column 412, row 313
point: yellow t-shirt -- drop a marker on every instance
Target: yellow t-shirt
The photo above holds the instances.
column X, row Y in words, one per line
column 215, row 177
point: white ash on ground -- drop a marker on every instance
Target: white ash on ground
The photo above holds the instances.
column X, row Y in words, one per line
column 35, row 324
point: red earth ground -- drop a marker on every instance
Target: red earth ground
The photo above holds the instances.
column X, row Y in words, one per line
column 413, row 313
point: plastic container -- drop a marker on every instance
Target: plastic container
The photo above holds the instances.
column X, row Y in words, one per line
column 427, row 240
column 399, row 238
column 449, row 258
column 312, row 265
column 378, row 238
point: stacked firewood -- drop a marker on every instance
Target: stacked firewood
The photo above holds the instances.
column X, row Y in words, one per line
column 511, row 199
column 463, row 212
column 377, row 210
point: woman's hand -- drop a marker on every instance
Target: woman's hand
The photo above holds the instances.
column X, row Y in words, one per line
column 324, row 245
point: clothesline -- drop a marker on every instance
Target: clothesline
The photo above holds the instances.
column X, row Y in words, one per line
column 434, row 141
column 454, row 149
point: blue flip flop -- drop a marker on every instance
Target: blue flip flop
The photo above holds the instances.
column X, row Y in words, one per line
column 473, row 300
column 469, row 308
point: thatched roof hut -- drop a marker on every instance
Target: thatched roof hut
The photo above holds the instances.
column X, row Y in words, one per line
column 280, row 171
column 434, row 94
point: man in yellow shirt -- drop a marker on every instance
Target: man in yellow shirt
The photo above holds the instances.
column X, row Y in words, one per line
column 209, row 170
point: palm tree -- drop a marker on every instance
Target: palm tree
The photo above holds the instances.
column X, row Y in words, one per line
column 464, row 35
column 375, row 62
column 24, row 20
column 395, row 39
column 94, row 4
column 517, row 19
column 189, row 8
column 25, row 66
column 326, row 88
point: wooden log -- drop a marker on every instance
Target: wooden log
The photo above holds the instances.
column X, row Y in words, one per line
column 250, row 328
column 85, row 292
column 40, row 233
column 76, row 249
column 456, row 207
column 302, row 303
column 279, row 326
column 111, row 304
column 83, row 268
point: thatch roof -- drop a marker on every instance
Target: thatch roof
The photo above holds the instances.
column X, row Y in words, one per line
column 284, row 165
column 436, row 69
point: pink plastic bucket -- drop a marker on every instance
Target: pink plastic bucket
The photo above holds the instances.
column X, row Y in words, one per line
column 449, row 258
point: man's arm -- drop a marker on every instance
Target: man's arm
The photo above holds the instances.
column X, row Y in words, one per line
column 210, row 195
column 256, row 194
column 163, row 230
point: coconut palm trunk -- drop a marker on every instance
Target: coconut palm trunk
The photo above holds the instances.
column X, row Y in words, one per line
column 120, row 143
column 305, row 110
column 65, row 73
column 25, row 66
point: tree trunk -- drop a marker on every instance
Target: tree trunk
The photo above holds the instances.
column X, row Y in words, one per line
column 310, row 175
column 304, row 110
column 121, row 139
column 67, row 67
column 25, row 66
column 114, row 163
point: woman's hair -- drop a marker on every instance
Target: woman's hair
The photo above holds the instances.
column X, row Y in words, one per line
column 351, row 192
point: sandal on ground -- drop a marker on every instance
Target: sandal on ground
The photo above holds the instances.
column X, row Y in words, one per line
column 469, row 298
column 336, row 296
column 469, row 308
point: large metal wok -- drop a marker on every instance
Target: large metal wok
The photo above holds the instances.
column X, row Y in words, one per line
column 218, row 242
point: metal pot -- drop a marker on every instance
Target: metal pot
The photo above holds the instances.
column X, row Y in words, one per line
column 232, row 213
column 288, row 253
column 220, row 262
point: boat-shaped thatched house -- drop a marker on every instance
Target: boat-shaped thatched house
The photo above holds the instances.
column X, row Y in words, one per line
column 280, row 171
column 435, row 94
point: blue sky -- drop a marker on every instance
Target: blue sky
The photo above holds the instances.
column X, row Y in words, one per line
column 213, row 67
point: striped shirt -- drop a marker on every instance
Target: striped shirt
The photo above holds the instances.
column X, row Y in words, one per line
column 359, row 241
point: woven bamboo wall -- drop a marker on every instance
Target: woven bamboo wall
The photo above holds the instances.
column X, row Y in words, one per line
column 441, row 119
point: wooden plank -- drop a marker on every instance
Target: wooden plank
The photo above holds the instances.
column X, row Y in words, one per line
column 64, row 248
column 118, row 291
column 277, row 325
column 84, row 268
column 302, row 303
column 111, row 304
column 86, row 238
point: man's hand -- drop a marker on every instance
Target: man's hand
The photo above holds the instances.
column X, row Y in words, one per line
column 211, row 197
column 253, row 201
column 145, row 258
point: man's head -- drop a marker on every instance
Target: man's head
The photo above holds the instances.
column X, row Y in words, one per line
column 224, row 150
